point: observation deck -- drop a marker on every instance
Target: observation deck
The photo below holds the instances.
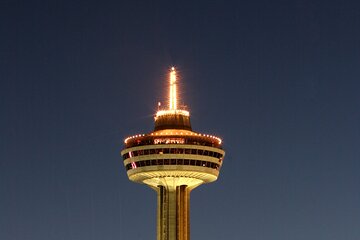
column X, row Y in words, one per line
column 197, row 158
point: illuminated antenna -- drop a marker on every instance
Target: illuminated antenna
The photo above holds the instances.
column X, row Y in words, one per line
column 172, row 90
column 173, row 99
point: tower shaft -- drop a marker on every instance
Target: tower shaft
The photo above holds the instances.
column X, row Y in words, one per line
column 173, row 222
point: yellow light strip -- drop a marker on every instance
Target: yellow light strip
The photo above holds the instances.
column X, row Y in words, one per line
column 166, row 112
column 172, row 90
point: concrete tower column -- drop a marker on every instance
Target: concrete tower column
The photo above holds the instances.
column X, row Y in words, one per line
column 173, row 221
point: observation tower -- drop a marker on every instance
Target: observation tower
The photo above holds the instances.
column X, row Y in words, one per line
column 173, row 160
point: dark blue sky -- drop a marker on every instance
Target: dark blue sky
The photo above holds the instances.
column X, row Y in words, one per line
column 277, row 80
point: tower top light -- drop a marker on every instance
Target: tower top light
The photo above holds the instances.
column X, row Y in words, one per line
column 172, row 90
column 173, row 98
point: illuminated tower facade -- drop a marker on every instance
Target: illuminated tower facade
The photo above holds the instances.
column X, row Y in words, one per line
column 173, row 160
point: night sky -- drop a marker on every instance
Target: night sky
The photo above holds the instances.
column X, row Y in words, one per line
column 278, row 81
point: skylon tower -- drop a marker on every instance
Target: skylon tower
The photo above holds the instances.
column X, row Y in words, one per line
column 173, row 160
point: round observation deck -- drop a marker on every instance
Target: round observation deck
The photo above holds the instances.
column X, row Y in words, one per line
column 189, row 158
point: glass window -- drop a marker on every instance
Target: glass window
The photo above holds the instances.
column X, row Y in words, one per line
column 193, row 151
column 155, row 162
column 152, row 151
column 166, row 151
column 180, row 151
column 200, row 152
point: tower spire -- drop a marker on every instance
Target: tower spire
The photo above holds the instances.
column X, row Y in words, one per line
column 172, row 90
column 174, row 117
